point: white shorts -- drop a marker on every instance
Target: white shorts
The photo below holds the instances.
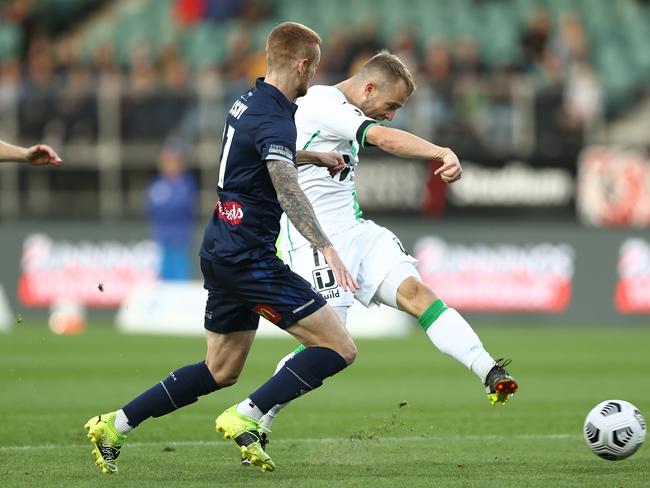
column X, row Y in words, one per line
column 368, row 250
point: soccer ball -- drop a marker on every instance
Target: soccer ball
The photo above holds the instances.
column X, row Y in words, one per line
column 614, row 429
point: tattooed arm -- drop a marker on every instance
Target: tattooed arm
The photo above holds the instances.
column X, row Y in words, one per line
column 295, row 204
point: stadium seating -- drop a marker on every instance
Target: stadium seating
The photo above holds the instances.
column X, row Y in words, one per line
column 619, row 55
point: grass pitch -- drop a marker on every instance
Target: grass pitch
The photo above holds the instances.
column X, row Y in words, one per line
column 350, row 433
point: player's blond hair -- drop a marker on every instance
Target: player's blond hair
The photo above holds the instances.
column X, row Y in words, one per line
column 290, row 41
column 391, row 67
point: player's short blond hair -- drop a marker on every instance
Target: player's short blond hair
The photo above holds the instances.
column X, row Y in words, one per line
column 391, row 67
column 290, row 41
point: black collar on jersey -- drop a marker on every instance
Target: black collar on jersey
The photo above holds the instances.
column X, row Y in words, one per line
column 277, row 95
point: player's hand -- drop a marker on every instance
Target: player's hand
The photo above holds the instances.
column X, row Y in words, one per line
column 333, row 161
column 450, row 170
column 41, row 154
column 343, row 276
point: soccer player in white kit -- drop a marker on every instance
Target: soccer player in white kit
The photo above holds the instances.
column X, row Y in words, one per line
column 345, row 118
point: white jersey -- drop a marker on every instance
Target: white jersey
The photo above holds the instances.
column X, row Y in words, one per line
column 326, row 122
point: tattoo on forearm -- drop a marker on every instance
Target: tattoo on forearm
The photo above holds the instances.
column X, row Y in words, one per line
column 295, row 204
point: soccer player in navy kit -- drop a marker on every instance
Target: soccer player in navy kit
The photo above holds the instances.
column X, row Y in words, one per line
column 244, row 278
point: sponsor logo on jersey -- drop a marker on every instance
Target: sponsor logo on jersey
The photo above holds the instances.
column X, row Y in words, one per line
column 231, row 212
column 268, row 312
column 278, row 150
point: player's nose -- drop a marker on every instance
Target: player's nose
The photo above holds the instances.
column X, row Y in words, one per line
column 390, row 115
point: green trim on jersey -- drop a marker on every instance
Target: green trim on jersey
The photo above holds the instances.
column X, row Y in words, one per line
column 358, row 213
column 363, row 136
column 311, row 139
column 353, row 149
column 298, row 349
column 288, row 226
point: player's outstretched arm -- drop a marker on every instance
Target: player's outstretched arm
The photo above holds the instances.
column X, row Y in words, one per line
column 333, row 161
column 407, row 145
column 36, row 155
column 297, row 207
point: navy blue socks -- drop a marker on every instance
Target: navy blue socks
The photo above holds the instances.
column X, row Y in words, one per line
column 182, row 387
column 301, row 374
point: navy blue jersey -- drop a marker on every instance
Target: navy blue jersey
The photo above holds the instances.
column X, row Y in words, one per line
column 260, row 127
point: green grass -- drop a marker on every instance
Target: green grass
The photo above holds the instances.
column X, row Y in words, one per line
column 350, row 433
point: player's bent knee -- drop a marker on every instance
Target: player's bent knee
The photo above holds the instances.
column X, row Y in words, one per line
column 414, row 297
column 408, row 289
column 424, row 294
column 348, row 351
column 223, row 378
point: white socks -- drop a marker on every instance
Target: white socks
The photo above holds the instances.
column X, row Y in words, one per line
column 248, row 408
column 122, row 423
column 451, row 333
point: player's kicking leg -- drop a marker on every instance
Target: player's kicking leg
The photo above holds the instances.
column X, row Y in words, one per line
column 444, row 326
column 446, row 329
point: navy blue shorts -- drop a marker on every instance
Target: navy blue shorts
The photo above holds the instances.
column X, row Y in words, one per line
column 239, row 294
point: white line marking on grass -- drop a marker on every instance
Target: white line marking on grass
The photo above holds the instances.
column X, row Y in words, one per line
column 311, row 440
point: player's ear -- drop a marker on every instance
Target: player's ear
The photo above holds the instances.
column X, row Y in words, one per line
column 303, row 65
column 370, row 88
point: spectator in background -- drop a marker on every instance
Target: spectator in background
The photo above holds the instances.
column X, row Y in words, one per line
column 36, row 105
column 10, row 83
column 244, row 63
column 534, row 40
column 336, row 55
column 467, row 60
column 142, row 97
column 366, row 45
column 171, row 204
column 583, row 98
column 438, row 75
column 76, row 104
column 174, row 96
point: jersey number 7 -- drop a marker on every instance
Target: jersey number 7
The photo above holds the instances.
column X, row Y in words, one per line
column 228, row 133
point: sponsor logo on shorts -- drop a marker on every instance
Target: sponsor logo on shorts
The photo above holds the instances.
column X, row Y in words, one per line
column 231, row 212
column 325, row 282
column 328, row 295
column 324, row 278
column 268, row 312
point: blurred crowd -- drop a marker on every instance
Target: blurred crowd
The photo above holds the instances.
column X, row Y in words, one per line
column 462, row 101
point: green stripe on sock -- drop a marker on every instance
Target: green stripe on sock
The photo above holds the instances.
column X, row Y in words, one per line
column 431, row 314
column 298, row 349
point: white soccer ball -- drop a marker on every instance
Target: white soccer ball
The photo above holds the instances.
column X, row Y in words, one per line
column 614, row 429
